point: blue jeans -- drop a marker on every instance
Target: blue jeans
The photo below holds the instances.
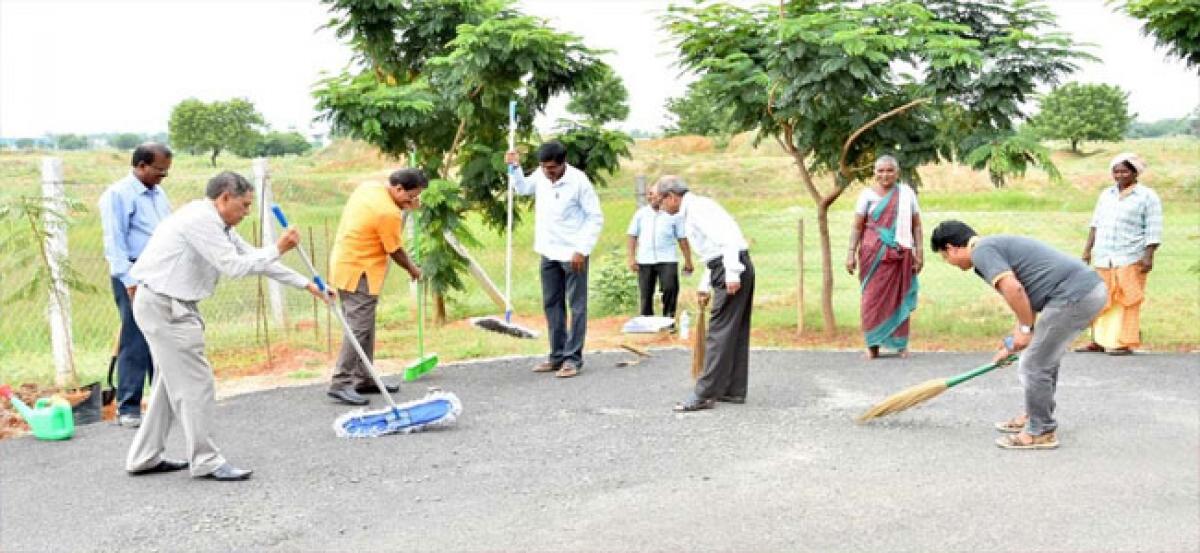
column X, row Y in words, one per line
column 562, row 286
column 134, row 367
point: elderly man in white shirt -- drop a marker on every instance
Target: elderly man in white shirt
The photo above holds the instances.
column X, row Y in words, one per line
column 567, row 224
column 729, row 275
column 181, row 264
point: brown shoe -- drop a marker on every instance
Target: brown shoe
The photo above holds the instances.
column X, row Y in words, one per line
column 1092, row 347
column 567, row 371
column 546, row 367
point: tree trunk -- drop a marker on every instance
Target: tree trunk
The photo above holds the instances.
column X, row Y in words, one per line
column 439, row 314
column 1074, row 146
column 826, row 268
column 213, row 160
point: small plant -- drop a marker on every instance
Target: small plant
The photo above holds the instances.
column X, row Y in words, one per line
column 615, row 285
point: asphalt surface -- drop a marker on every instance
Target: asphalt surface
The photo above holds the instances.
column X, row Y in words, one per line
column 600, row 463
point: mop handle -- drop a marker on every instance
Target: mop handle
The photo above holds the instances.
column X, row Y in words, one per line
column 362, row 355
column 420, row 291
column 512, row 169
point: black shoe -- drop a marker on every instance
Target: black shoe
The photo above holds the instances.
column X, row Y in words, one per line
column 348, row 396
column 165, row 465
column 373, row 389
column 736, row 400
column 227, row 473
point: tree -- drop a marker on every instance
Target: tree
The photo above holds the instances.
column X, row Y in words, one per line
column 1162, row 127
column 434, row 84
column 274, row 143
column 26, row 143
column 1174, row 25
column 1077, row 112
column 699, row 112
column 71, row 142
column 196, row 126
column 836, row 84
column 126, row 141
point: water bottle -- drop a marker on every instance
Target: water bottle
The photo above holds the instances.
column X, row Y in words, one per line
column 683, row 325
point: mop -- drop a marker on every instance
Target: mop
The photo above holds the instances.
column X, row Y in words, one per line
column 436, row 409
column 424, row 363
column 496, row 324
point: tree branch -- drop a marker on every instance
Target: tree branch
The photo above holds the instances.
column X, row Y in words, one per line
column 842, row 168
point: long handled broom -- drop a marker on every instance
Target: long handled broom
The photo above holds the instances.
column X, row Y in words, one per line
column 699, row 337
column 436, row 409
column 494, row 324
column 927, row 390
column 424, row 363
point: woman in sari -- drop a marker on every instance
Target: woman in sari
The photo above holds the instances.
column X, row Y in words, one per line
column 885, row 247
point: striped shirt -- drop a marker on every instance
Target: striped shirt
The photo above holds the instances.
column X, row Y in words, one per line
column 193, row 248
column 1125, row 225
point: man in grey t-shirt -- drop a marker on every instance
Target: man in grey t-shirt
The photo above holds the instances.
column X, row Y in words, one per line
column 1037, row 282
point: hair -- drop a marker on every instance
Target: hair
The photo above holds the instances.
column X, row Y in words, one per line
column 1129, row 166
column 887, row 159
column 671, row 184
column 552, row 151
column 146, row 152
column 950, row 233
column 228, row 181
column 409, row 179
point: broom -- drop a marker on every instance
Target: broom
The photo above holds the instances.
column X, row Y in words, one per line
column 436, row 409
column 424, row 363
column 698, row 338
column 926, row 391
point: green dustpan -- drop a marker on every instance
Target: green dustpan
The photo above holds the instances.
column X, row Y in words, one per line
column 424, row 363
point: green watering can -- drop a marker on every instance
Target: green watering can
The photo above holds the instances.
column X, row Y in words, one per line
column 50, row 418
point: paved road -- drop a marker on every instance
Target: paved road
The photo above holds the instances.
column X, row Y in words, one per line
column 600, row 463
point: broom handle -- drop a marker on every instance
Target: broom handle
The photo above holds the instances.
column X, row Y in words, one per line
column 420, row 290
column 955, row 381
column 512, row 142
column 362, row 355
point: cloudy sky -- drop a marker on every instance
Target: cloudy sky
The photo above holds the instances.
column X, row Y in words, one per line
column 95, row 66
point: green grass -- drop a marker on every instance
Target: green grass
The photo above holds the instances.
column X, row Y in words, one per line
column 759, row 187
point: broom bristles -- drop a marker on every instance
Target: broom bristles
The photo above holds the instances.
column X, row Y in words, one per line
column 495, row 324
column 903, row 400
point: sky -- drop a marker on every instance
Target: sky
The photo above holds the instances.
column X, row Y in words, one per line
column 96, row 66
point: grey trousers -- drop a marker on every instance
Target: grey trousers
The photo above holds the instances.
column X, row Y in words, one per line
column 183, row 385
column 1056, row 328
column 727, row 346
column 359, row 309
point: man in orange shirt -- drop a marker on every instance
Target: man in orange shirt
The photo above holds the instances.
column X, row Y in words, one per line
column 370, row 231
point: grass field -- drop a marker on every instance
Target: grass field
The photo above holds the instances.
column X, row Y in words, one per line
column 757, row 185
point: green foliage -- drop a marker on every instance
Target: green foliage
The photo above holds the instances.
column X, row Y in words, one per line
column 1011, row 155
column 274, row 144
column 1174, row 25
column 699, row 112
column 1162, row 127
column 25, row 143
column 1077, row 112
column 441, row 210
column 436, row 78
column 595, row 150
column 126, row 141
column 71, row 142
column 197, row 127
column 615, row 286
column 26, row 222
column 603, row 100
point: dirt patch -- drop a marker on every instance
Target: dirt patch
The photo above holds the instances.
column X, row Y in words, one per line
column 679, row 145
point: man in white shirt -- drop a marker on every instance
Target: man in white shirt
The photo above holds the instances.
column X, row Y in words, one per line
column 567, row 224
column 652, row 237
column 188, row 253
column 729, row 275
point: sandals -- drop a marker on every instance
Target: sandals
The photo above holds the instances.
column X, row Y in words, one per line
column 1013, row 441
column 546, row 367
column 568, row 370
column 1013, row 425
column 1120, row 351
column 1092, row 347
column 694, row 404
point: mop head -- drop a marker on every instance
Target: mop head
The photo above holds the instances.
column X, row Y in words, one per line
column 496, row 324
column 437, row 409
column 903, row 400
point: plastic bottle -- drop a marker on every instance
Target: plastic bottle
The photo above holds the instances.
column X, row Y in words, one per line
column 684, row 321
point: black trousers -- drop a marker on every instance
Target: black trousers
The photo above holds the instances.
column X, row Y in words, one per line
column 563, row 288
column 727, row 346
column 666, row 275
column 134, row 367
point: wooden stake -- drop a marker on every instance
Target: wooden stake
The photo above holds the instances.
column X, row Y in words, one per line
column 800, row 279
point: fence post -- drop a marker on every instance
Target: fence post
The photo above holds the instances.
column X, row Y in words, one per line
column 800, row 278
column 262, row 184
column 59, row 308
column 639, row 190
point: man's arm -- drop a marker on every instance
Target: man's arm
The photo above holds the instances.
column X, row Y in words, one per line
column 401, row 259
column 592, row 225
column 1087, row 247
column 234, row 257
column 631, row 256
column 1154, row 223
column 688, row 268
column 521, row 186
column 114, row 221
column 1018, row 301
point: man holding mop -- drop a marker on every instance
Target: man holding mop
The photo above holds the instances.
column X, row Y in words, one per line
column 567, row 224
column 1038, row 282
column 188, row 253
column 369, row 233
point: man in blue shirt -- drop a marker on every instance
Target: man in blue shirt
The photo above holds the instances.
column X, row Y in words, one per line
column 130, row 209
column 652, row 237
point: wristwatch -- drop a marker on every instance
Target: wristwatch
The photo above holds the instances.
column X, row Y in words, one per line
column 1025, row 329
